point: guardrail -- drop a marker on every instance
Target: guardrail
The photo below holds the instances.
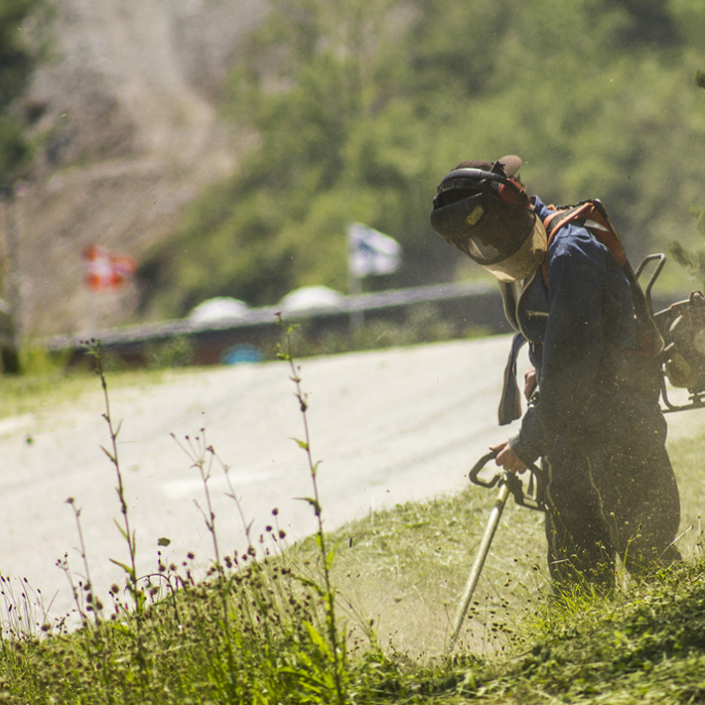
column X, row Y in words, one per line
column 471, row 304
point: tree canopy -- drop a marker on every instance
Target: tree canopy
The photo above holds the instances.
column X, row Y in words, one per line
column 359, row 107
column 18, row 59
column 692, row 258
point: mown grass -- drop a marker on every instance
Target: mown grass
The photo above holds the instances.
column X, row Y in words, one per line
column 403, row 570
column 644, row 646
column 257, row 626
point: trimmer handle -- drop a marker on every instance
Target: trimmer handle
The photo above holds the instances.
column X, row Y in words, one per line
column 536, row 496
column 479, row 465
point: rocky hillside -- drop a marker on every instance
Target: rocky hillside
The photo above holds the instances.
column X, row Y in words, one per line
column 129, row 96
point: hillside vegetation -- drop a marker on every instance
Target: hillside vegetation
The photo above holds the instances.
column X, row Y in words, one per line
column 227, row 146
column 18, row 59
column 123, row 114
column 361, row 106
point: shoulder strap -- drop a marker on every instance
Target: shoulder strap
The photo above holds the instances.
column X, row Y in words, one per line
column 510, row 401
column 593, row 216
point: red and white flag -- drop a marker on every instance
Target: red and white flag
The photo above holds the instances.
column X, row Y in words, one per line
column 105, row 270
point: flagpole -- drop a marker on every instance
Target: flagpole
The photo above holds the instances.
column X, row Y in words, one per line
column 357, row 316
column 369, row 252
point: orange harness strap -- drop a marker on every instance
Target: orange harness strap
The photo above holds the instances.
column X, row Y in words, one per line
column 596, row 220
column 603, row 230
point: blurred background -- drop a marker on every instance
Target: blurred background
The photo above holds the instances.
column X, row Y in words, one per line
column 224, row 146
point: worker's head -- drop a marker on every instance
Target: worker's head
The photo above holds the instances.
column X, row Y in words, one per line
column 483, row 210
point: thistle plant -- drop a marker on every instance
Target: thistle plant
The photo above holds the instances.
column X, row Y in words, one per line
column 128, row 534
column 130, row 569
column 94, row 604
column 202, row 457
column 326, row 592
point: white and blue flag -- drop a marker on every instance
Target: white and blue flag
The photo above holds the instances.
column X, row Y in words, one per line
column 372, row 252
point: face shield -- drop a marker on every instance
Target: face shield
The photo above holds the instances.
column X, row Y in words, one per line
column 489, row 218
column 526, row 260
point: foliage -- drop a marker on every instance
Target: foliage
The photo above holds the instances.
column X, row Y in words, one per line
column 252, row 631
column 693, row 259
column 284, row 213
column 647, row 647
column 174, row 352
column 360, row 107
column 268, row 646
column 335, row 651
column 21, row 47
column 45, row 379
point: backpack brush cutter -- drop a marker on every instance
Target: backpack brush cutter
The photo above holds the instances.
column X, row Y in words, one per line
column 682, row 327
column 682, row 364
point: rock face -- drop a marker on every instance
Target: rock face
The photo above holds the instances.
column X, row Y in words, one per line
column 130, row 96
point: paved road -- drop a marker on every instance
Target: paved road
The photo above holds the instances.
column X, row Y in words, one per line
column 388, row 427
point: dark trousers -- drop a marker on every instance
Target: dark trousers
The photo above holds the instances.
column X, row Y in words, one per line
column 611, row 492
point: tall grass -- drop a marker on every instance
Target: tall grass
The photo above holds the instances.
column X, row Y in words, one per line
column 254, row 628
column 268, row 623
column 336, row 650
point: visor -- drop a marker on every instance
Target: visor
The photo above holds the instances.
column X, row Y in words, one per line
column 483, row 227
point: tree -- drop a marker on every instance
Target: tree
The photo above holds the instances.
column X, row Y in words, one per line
column 18, row 59
column 693, row 259
column 320, row 84
column 361, row 106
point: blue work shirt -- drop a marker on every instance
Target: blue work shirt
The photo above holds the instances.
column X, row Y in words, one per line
column 574, row 326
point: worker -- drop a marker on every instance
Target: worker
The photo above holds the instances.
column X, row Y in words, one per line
column 593, row 416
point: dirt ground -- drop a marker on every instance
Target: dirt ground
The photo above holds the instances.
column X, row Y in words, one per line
column 388, row 427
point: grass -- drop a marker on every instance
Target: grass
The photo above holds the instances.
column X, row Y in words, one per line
column 644, row 646
column 360, row 615
column 687, row 459
column 403, row 570
column 47, row 381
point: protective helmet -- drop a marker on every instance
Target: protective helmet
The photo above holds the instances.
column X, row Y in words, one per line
column 487, row 215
